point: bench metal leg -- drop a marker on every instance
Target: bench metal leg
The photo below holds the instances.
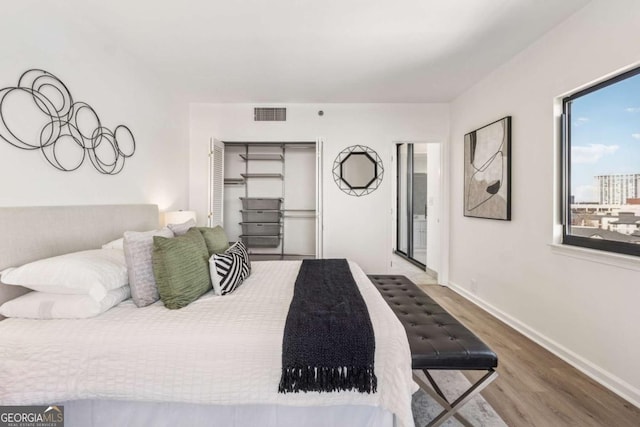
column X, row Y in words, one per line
column 451, row 409
column 434, row 391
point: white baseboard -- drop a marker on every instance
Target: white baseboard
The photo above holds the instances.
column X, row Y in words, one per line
column 608, row 380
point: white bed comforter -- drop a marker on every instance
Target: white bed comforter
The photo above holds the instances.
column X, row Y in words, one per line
column 219, row 350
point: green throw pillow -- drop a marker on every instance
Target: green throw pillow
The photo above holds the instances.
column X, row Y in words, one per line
column 216, row 239
column 181, row 268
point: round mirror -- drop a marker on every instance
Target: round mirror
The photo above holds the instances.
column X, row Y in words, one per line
column 358, row 170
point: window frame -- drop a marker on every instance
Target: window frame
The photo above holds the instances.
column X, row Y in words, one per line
column 568, row 239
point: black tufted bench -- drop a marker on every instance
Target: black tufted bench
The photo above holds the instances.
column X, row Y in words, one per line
column 437, row 341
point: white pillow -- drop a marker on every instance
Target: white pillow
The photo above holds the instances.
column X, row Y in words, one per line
column 115, row 244
column 42, row 305
column 180, row 229
column 138, row 251
column 93, row 273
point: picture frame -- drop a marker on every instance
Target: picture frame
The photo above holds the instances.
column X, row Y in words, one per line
column 487, row 171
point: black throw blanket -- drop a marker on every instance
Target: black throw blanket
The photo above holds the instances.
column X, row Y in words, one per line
column 328, row 342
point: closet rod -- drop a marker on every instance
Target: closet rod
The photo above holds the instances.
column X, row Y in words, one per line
column 269, row 143
column 303, row 146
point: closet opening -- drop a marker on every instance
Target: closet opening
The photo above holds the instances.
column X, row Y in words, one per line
column 268, row 196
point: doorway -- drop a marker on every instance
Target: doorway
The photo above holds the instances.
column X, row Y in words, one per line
column 418, row 204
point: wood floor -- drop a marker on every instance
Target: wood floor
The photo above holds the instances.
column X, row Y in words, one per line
column 534, row 387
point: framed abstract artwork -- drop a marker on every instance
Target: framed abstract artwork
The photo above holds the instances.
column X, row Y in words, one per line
column 487, row 171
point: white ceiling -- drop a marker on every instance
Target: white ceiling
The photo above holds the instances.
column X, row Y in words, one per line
column 322, row 50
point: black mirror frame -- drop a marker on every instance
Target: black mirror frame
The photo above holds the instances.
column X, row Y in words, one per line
column 373, row 162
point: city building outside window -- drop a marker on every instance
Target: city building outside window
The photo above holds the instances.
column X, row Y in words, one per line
column 601, row 166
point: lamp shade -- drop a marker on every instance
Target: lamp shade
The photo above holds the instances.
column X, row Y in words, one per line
column 178, row 217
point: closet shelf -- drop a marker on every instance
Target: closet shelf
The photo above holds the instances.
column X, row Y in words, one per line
column 234, row 181
column 278, row 157
column 261, row 241
column 261, row 228
column 261, row 223
column 262, row 175
column 269, row 215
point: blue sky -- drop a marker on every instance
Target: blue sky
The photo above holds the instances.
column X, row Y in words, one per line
column 605, row 136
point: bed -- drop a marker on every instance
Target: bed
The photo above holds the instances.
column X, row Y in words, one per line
column 214, row 362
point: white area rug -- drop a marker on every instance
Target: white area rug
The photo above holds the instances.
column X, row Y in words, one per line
column 452, row 383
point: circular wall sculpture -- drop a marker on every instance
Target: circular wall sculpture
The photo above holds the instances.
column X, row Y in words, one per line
column 39, row 114
column 358, row 170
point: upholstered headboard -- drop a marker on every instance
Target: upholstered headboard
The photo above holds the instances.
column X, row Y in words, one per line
column 31, row 233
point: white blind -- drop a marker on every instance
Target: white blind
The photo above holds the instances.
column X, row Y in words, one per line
column 216, row 172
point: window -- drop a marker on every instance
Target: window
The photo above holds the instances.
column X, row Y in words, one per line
column 601, row 155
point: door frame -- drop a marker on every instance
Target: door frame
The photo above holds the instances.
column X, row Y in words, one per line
column 319, row 198
column 443, row 211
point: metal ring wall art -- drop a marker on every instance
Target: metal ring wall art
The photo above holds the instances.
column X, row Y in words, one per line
column 358, row 170
column 66, row 132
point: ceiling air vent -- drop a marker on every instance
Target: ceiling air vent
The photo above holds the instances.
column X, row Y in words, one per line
column 269, row 114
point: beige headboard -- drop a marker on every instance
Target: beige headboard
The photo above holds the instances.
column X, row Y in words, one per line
column 31, row 233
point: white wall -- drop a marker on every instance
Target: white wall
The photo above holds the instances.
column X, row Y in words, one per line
column 119, row 88
column 585, row 311
column 354, row 227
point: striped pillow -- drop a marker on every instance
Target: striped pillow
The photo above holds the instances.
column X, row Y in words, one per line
column 240, row 249
column 228, row 270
